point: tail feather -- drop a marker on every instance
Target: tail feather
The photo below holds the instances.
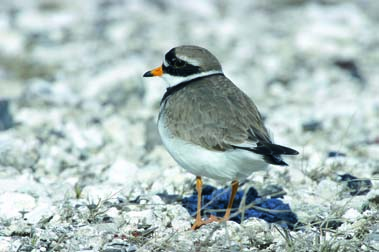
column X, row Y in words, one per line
column 273, row 149
column 265, row 148
column 275, row 160
column 271, row 152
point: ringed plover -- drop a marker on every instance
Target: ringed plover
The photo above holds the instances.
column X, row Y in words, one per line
column 208, row 125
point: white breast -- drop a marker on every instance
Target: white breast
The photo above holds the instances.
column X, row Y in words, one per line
column 219, row 165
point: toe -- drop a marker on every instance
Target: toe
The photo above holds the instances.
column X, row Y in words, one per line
column 198, row 224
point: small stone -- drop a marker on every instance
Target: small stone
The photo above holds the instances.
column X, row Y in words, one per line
column 333, row 154
column 373, row 202
column 122, row 171
column 372, row 238
column 119, row 245
column 356, row 186
column 18, row 227
column 351, row 67
column 41, row 211
column 140, row 217
column 180, row 218
column 327, row 189
column 5, row 243
column 352, row 215
column 12, row 204
column 6, row 120
column 170, row 198
column 17, row 152
column 258, row 231
column 113, row 212
column 311, row 126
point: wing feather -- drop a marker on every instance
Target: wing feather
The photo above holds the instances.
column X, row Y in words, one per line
column 216, row 114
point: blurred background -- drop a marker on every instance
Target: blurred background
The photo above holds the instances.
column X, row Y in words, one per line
column 76, row 116
column 314, row 60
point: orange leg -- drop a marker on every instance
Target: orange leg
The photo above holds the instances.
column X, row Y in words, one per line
column 230, row 204
column 199, row 187
column 198, row 221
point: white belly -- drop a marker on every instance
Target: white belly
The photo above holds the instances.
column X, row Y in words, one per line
column 220, row 165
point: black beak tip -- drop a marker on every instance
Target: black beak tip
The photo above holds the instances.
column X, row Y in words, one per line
column 148, row 74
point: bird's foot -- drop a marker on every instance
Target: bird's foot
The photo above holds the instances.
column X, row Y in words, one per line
column 218, row 219
column 198, row 222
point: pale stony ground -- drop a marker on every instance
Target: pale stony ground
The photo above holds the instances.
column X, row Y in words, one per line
column 80, row 158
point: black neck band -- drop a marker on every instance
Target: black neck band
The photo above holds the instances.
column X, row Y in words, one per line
column 176, row 88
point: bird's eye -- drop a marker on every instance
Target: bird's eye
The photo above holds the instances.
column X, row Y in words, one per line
column 179, row 63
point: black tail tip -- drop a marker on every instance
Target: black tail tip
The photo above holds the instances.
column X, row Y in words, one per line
column 295, row 152
column 282, row 163
column 289, row 151
column 275, row 160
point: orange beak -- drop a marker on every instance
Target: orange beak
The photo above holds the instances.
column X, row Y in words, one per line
column 155, row 72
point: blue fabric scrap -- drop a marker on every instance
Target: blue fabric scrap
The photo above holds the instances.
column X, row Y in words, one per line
column 215, row 201
column 357, row 186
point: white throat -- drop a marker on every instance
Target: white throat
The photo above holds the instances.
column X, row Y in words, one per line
column 175, row 80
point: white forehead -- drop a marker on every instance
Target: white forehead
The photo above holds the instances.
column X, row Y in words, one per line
column 191, row 61
column 165, row 62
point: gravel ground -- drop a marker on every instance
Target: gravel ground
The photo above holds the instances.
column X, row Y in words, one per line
column 82, row 167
